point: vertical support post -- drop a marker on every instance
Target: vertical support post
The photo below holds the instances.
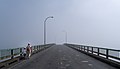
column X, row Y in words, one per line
column 107, row 53
column 88, row 49
column 84, row 48
column 40, row 47
column 20, row 51
column 92, row 50
column 34, row 48
column 12, row 54
column 98, row 52
column 37, row 48
column 77, row 48
column 81, row 48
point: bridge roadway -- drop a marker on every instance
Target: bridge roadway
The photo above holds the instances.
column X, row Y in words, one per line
column 61, row 57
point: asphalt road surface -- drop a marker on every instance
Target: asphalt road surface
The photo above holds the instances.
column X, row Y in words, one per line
column 61, row 57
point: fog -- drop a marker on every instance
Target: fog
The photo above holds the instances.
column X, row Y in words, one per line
column 88, row 22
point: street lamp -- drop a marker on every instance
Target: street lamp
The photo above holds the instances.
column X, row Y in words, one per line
column 45, row 28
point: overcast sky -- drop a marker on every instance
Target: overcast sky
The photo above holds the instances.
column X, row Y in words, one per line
column 89, row 22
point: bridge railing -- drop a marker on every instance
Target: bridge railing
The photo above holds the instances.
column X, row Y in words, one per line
column 106, row 53
column 38, row 48
column 10, row 53
column 9, row 57
column 6, row 54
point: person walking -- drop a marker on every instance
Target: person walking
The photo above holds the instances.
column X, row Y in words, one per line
column 28, row 50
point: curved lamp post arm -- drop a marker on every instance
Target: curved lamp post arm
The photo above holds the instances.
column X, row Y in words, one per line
column 45, row 28
column 47, row 18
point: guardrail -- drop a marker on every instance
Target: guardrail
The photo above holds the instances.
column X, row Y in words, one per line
column 8, row 56
column 10, row 53
column 110, row 56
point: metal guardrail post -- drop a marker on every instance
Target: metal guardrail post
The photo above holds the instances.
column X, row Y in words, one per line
column 81, row 48
column 92, row 50
column 20, row 51
column 12, row 54
column 34, row 49
column 87, row 49
column 84, row 48
column 37, row 48
column 98, row 51
column 107, row 53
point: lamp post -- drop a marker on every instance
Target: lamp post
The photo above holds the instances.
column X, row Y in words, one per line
column 65, row 36
column 45, row 28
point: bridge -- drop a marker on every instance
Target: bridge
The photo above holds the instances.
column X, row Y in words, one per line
column 66, row 56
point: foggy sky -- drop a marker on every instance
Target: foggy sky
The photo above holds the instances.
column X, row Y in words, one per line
column 89, row 22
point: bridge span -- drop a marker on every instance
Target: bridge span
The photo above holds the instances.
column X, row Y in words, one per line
column 61, row 57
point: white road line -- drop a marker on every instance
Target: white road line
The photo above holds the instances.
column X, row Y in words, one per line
column 84, row 61
column 90, row 64
column 67, row 65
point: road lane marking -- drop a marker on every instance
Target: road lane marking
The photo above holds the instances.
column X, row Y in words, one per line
column 76, row 58
column 60, row 51
column 67, row 65
column 77, row 55
column 84, row 61
column 90, row 64
column 61, row 63
column 64, row 59
column 62, row 67
column 69, row 61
